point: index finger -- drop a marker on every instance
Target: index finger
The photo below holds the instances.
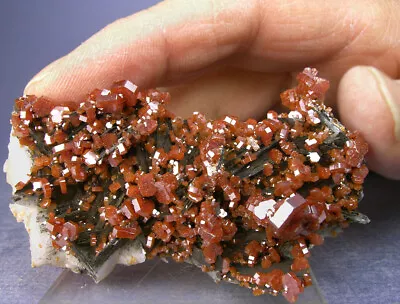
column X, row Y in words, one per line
column 176, row 39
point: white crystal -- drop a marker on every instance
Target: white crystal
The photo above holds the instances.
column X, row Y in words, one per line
column 253, row 143
column 314, row 157
column 121, row 148
column 57, row 114
column 268, row 130
column 149, row 241
column 232, row 196
column 310, row 142
column 222, row 213
column 105, row 92
column 313, row 117
column 47, row 139
column 264, row 208
column 295, row 115
column 22, row 114
column 36, row 185
column 59, row 148
column 175, row 168
column 153, row 106
column 90, row 158
column 82, row 118
column 282, row 214
column 210, row 154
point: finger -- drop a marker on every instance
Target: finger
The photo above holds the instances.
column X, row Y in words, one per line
column 176, row 40
column 369, row 101
column 228, row 91
column 172, row 38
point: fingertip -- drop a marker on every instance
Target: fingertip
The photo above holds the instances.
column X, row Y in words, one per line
column 53, row 83
column 369, row 101
column 33, row 87
column 30, row 86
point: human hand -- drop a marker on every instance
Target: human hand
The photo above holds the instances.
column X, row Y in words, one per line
column 235, row 57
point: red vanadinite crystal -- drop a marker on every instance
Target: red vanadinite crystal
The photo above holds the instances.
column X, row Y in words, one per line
column 163, row 230
column 166, row 187
column 143, row 207
column 195, row 184
column 109, row 102
column 147, row 185
column 112, row 215
column 126, row 232
column 292, row 287
column 70, row 231
column 299, row 264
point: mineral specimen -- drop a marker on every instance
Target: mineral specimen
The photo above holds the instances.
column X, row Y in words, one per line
column 243, row 200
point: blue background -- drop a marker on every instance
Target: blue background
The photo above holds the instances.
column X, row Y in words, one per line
column 360, row 266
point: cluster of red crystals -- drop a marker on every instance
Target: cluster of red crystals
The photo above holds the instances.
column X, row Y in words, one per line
column 62, row 232
column 109, row 145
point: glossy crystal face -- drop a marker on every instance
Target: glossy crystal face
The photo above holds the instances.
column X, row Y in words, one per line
column 237, row 197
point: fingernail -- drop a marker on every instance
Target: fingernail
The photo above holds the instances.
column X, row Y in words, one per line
column 390, row 93
column 35, row 81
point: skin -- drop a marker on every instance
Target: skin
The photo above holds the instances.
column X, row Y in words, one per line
column 235, row 57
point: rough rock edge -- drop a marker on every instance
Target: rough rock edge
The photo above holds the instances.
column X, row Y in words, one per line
column 17, row 168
